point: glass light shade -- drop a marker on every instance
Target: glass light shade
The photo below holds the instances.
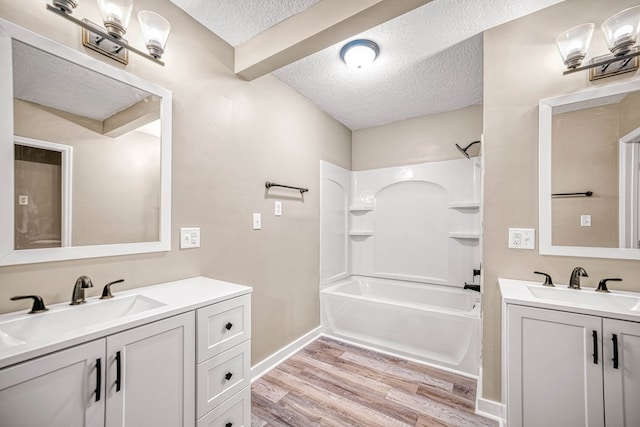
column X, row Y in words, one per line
column 621, row 30
column 155, row 30
column 116, row 15
column 359, row 53
column 574, row 43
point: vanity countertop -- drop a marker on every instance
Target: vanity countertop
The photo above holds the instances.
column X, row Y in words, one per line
column 617, row 304
column 169, row 299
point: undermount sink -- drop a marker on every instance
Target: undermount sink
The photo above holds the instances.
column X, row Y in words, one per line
column 586, row 297
column 65, row 319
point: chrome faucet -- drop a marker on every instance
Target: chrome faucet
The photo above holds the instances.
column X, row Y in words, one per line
column 576, row 274
column 77, row 297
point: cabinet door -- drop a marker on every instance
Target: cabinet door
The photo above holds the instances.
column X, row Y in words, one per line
column 621, row 383
column 553, row 376
column 150, row 372
column 60, row 389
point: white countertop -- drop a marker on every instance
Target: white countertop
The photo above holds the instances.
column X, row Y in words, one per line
column 517, row 292
column 178, row 297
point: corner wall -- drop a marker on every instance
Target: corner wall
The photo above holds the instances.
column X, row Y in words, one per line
column 522, row 66
column 229, row 137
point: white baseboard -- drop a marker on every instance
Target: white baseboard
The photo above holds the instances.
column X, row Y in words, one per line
column 284, row 353
column 489, row 409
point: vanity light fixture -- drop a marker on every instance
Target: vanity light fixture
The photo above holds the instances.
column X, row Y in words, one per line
column 359, row 53
column 108, row 40
column 620, row 32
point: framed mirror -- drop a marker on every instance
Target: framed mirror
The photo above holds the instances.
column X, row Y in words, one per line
column 85, row 155
column 589, row 169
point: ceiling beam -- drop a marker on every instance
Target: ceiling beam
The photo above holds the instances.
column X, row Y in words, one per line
column 322, row 25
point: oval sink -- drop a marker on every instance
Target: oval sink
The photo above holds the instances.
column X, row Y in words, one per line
column 71, row 318
column 586, row 297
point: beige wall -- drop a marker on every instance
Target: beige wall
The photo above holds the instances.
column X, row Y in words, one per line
column 521, row 66
column 422, row 139
column 229, row 137
column 584, row 157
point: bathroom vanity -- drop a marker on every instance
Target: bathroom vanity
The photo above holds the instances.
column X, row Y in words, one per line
column 174, row 354
column 570, row 357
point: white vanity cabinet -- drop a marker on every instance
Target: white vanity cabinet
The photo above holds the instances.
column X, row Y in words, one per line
column 189, row 350
column 143, row 376
column 561, row 370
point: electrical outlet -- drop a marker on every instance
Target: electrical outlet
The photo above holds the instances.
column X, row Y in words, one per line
column 585, row 220
column 277, row 208
column 189, row 237
column 23, row 200
column 522, row 238
column 257, row 221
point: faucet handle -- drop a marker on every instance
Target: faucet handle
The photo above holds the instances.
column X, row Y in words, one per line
column 38, row 303
column 106, row 291
column 548, row 281
column 602, row 286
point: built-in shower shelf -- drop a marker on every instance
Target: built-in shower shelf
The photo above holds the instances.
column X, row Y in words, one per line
column 464, row 235
column 361, row 233
column 464, row 205
column 360, row 208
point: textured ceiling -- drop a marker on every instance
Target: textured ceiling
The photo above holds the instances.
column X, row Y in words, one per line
column 53, row 82
column 430, row 59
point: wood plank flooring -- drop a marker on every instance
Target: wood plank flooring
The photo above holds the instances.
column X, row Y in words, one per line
column 330, row 383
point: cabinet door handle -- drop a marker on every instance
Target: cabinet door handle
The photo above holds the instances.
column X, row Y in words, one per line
column 228, row 424
column 98, row 378
column 229, row 326
column 595, row 347
column 228, row 376
column 118, row 371
column 614, row 338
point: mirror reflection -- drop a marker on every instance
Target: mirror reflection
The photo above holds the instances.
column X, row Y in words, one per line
column 87, row 155
column 594, row 149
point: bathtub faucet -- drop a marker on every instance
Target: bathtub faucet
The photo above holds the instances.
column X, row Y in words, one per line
column 472, row 287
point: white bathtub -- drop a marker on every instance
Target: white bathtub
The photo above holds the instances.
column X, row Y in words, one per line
column 433, row 324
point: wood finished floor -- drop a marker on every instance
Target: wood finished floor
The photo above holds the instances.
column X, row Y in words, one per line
column 330, row 383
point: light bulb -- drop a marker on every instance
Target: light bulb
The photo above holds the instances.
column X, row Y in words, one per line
column 155, row 30
column 116, row 15
column 621, row 30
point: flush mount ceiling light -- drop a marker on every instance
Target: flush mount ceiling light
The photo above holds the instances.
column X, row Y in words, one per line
column 620, row 32
column 108, row 40
column 359, row 53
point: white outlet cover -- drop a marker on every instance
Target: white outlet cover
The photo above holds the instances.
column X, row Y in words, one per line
column 257, row 221
column 585, row 220
column 277, row 206
column 189, row 237
column 522, row 238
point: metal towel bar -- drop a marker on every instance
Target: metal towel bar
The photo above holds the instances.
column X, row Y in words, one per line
column 584, row 194
column 273, row 184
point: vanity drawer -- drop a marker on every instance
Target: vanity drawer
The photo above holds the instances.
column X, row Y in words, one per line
column 235, row 412
column 221, row 377
column 222, row 326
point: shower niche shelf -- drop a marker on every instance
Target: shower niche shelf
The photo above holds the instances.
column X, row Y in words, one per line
column 464, row 205
column 464, row 235
column 358, row 209
column 361, row 233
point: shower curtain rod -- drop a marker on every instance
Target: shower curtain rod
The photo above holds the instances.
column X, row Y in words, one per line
column 273, row 184
column 585, row 194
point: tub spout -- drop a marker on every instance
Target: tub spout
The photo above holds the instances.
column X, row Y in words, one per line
column 472, row 287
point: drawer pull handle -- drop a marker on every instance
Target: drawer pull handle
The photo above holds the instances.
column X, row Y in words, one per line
column 98, row 378
column 228, row 424
column 229, row 326
column 614, row 338
column 228, row 376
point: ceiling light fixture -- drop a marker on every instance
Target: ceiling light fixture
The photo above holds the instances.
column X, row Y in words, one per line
column 359, row 53
column 116, row 15
column 620, row 32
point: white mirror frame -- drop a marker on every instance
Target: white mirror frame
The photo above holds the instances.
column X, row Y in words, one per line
column 9, row 256
column 544, row 173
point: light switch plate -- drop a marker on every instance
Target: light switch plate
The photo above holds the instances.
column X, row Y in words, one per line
column 257, row 221
column 585, row 220
column 277, row 205
column 189, row 237
column 522, row 238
